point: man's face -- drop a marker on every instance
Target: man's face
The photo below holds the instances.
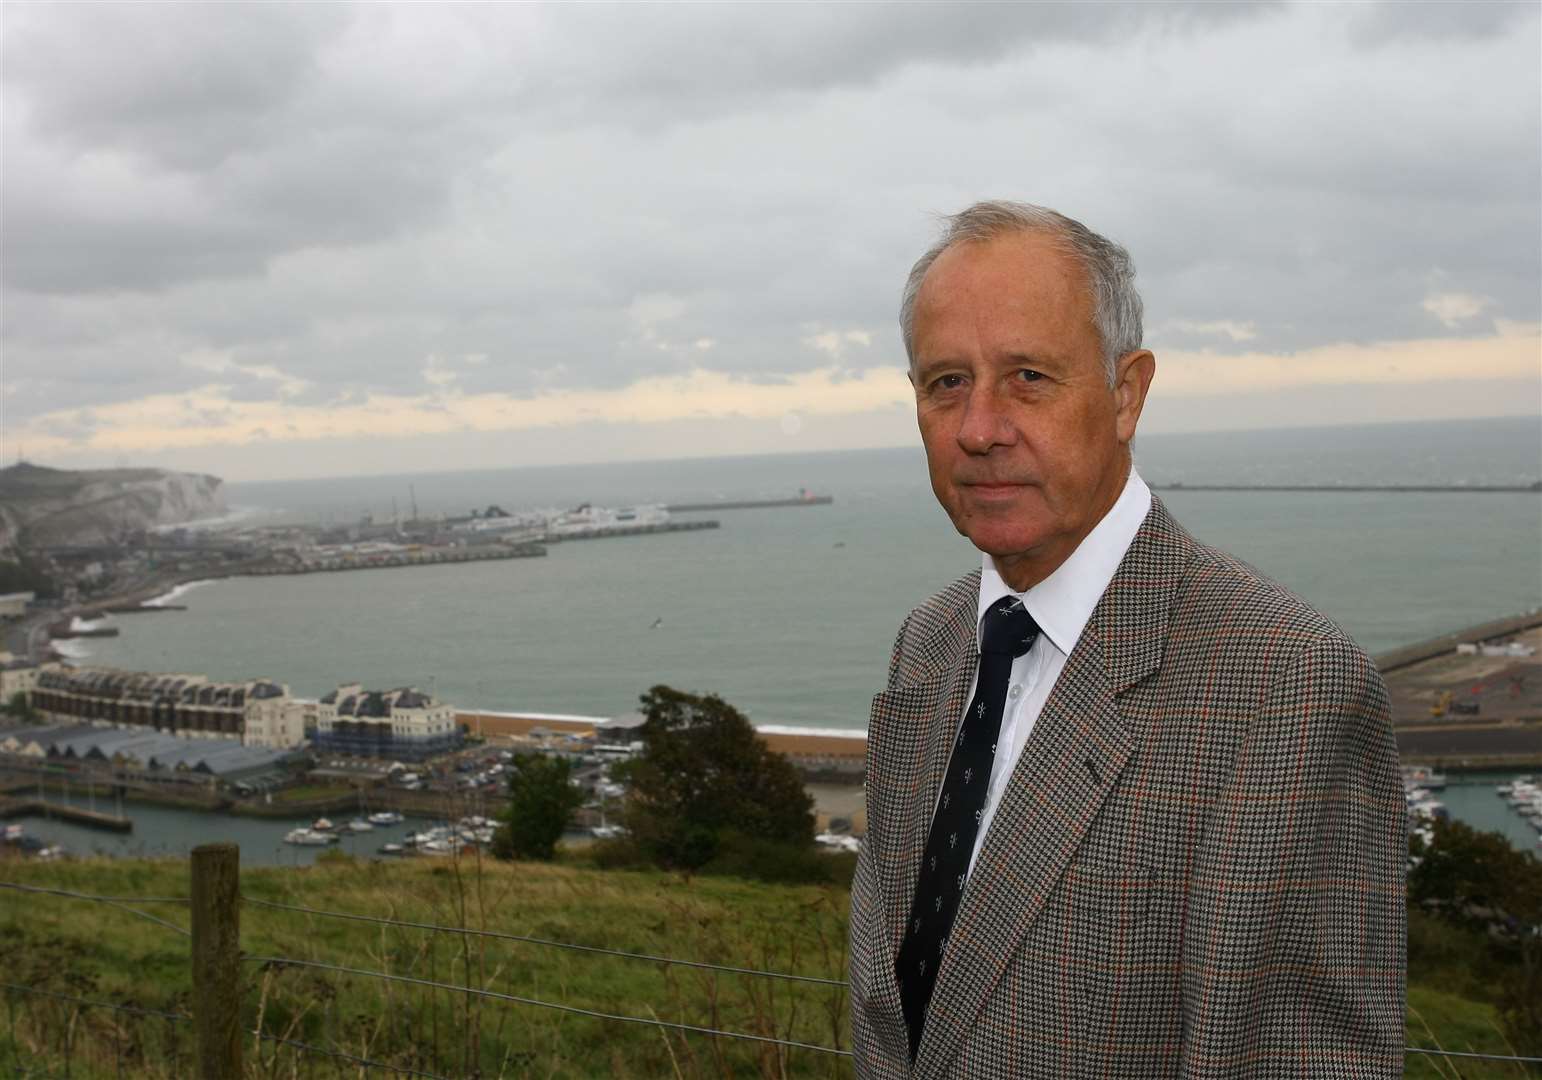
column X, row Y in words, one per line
column 1026, row 443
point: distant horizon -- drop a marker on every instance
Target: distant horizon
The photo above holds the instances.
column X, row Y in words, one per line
column 1534, row 419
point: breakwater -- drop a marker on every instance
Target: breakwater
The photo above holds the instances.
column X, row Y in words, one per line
column 1419, row 651
column 599, row 532
column 749, row 504
column 382, row 560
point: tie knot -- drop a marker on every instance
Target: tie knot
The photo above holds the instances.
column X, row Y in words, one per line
column 1007, row 628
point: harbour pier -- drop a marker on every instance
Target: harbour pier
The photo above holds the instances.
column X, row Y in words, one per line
column 14, row 808
column 597, row 532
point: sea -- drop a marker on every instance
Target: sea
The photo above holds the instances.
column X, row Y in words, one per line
column 789, row 614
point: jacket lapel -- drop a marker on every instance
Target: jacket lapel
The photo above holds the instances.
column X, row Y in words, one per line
column 1054, row 795
column 910, row 733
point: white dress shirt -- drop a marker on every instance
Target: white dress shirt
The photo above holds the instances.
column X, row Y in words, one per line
column 1061, row 604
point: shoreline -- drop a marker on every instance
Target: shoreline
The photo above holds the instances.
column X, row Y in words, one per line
column 1513, row 740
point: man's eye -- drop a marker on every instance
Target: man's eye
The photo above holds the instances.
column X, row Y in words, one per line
column 1029, row 375
column 947, row 382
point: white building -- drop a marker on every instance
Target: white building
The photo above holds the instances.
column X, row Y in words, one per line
column 16, row 677
column 401, row 723
column 14, row 605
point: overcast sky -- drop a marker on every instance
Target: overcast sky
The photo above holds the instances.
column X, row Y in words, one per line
column 299, row 240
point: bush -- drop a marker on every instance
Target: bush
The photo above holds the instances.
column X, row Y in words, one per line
column 767, row 860
column 541, row 803
column 705, row 773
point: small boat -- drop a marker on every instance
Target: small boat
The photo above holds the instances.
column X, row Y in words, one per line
column 385, row 817
column 358, row 824
column 1419, row 776
column 322, row 824
column 392, row 849
column 308, row 838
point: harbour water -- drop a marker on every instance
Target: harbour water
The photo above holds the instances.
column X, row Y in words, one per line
column 168, row 832
column 165, row 832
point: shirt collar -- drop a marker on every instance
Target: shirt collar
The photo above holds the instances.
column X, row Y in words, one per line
column 1062, row 603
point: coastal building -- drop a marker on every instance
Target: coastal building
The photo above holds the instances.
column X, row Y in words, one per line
column 16, row 677
column 143, row 754
column 14, row 605
column 401, row 723
column 256, row 712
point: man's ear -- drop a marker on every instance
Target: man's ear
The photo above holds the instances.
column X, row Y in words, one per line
column 1132, row 378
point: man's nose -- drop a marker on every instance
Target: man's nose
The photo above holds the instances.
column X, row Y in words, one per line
column 986, row 422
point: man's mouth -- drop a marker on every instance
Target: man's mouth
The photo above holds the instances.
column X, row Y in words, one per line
column 993, row 485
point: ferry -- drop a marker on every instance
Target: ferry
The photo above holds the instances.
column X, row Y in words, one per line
column 587, row 518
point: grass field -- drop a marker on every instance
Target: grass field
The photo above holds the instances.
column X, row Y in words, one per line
column 103, row 953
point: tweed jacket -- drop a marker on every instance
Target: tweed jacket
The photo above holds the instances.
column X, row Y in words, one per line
column 1196, row 868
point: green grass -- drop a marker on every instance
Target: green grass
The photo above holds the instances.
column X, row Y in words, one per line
column 1445, row 1021
column 100, row 952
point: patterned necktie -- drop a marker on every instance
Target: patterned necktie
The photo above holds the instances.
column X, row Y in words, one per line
column 1007, row 631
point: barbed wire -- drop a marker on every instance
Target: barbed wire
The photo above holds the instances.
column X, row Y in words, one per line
column 527, row 939
column 286, row 961
column 137, row 1010
column 344, row 1055
column 97, row 896
column 1472, row 1054
column 115, row 901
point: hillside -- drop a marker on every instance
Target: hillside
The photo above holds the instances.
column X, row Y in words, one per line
column 103, row 953
column 41, row 507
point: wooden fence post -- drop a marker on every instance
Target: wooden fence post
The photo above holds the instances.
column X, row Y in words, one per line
column 216, row 896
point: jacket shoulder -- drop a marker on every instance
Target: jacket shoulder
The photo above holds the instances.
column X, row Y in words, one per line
column 1223, row 604
column 933, row 632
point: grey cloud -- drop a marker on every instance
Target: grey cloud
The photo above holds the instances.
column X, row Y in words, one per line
column 184, row 86
column 507, row 182
column 1391, row 21
column 251, row 130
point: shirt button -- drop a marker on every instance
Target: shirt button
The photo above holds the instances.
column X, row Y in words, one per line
column 1015, row 692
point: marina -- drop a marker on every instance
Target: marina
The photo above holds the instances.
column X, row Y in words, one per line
column 1483, row 800
column 166, row 832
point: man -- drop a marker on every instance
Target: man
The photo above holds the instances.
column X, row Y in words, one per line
column 1133, row 810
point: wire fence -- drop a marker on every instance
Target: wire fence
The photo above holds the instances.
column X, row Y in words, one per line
column 289, row 961
column 500, row 935
column 279, row 963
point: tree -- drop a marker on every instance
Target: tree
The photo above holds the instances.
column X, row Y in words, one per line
column 541, row 803
column 20, row 707
column 1479, row 880
column 705, row 776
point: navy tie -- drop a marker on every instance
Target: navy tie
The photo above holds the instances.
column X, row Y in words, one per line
column 1007, row 631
